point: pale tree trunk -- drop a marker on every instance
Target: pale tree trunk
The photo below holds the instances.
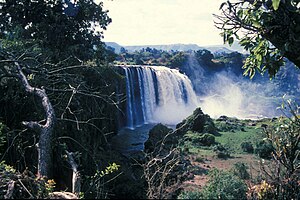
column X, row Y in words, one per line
column 45, row 130
column 76, row 185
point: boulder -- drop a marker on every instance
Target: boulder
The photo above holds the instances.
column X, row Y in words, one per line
column 198, row 122
column 158, row 134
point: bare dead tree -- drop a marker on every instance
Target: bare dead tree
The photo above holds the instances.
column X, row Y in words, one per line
column 156, row 171
column 13, row 68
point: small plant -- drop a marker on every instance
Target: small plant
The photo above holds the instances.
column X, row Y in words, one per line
column 108, row 170
column 50, row 185
column 261, row 191
column 285, row 141
column 97, row 181
column 14, row 185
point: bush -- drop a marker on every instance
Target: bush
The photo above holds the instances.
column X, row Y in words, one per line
column 196, row 138
column 190, row 195
column 23, row 186
column 240, row 170
column 264, row 149
column 224, row 185
column 247, row 147
column 261, row 191
column 207, row 139
column 221, row 151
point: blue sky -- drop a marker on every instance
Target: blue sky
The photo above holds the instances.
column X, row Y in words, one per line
column 151, row 22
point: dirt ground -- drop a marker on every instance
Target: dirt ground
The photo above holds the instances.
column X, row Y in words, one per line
column 209, row 162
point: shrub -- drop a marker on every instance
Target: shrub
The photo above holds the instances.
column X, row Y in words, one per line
column 221, row 151
column 196, row 138
column 240, row 170
column 190, row 195
column 261, row 191
column 224, row 185
column 207, row 139
column 264, row 149
column 247, row 147
column 14, row 185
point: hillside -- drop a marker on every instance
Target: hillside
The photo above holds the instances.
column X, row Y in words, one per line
column 178, row 47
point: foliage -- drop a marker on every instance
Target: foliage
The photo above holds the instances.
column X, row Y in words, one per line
column 108, row 170
column 152, row 56
column 261, row 191
column 198, row 122
column 264, row 149
column 240, row 170
column 224, row 185
column 98, row 180
column 199, row 139
column 247, row 147
column 284, row 140
column 190, row 195
column 178, row 60
column 62, row 54
column 267, row 29
column 23, row 186
column 238, row 135
column 221, row 151
column 62, row 28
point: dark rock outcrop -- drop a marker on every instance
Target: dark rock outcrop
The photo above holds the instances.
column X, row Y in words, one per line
column 157, row 134
column 198, row 122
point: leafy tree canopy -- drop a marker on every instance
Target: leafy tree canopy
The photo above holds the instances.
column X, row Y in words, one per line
column 268, row 29
column 62, row 27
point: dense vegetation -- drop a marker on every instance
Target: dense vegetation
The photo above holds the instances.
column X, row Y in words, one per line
column 61, row 94
column 268, row 29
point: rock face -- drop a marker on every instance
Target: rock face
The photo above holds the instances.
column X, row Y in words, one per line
column 158, row 134
column 197, row 122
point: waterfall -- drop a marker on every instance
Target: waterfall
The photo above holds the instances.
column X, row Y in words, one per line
column 157, row 94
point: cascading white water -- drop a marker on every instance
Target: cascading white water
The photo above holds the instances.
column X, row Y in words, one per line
column 157, row 94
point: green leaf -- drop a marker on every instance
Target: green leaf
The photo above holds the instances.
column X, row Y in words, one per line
column 275, row 4
column 240, row 13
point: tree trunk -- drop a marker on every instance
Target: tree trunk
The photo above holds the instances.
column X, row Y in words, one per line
column 44, row 144
column 76, row 185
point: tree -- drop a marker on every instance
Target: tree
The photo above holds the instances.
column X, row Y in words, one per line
column 268, row 29
column 204, row 55
column 178, row 59
column 61, row 28
column 40, row 42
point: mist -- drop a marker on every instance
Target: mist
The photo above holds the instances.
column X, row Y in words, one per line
column 173, row 113
column 237, row 97
column 227, row 93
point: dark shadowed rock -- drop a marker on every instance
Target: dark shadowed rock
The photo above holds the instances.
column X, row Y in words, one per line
column 198, row 122
column 158, row 134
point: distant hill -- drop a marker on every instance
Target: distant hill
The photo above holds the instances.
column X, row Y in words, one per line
column 225, row 48
column 168, row 47
column 215, row 49
column 114, row 45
